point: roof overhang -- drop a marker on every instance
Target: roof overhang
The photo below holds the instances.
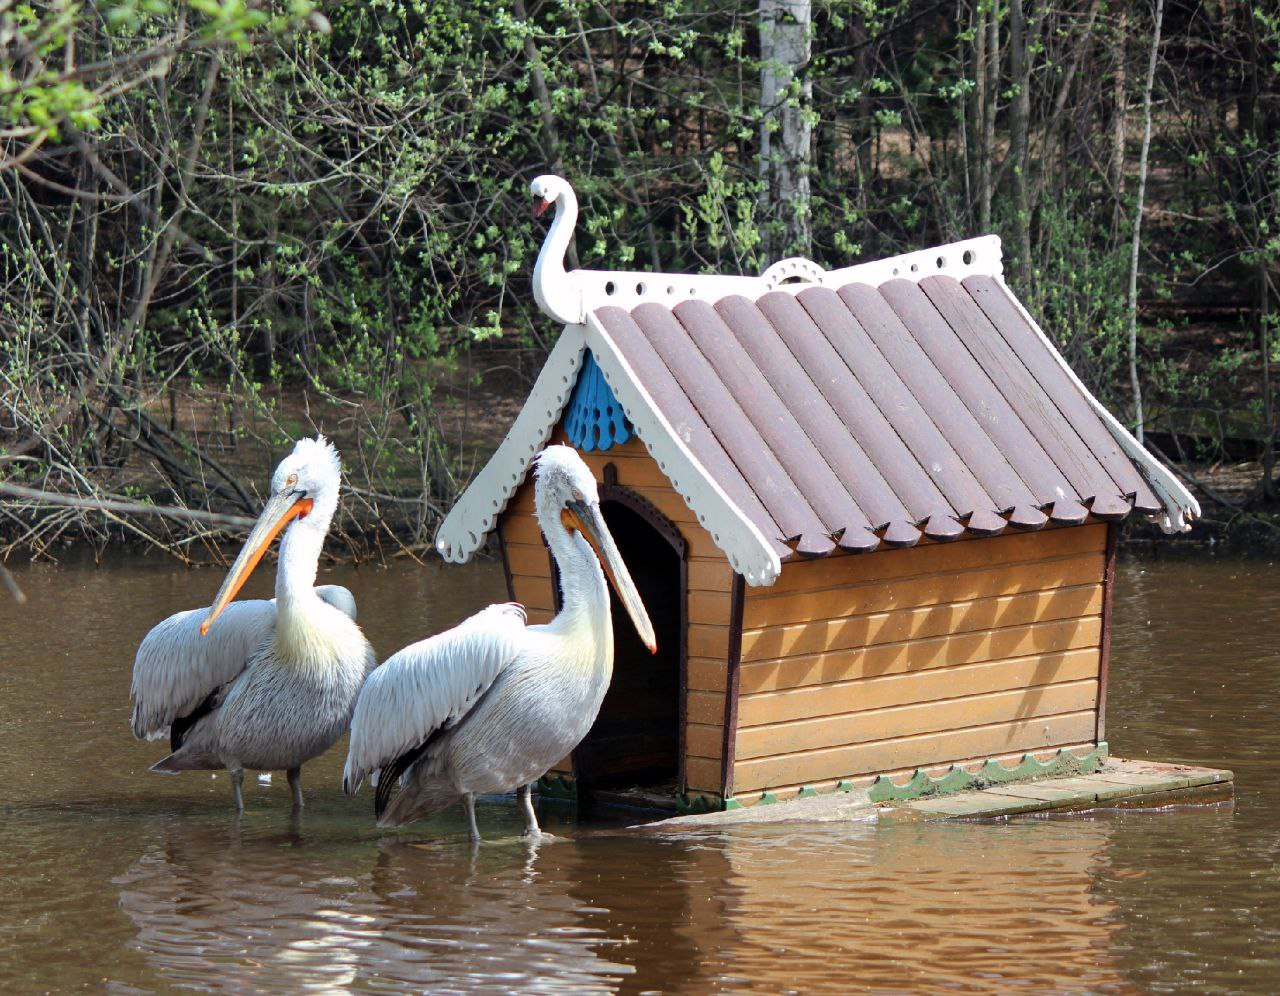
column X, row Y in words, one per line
column 476, row 513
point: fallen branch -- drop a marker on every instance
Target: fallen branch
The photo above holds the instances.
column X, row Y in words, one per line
column 127, row 507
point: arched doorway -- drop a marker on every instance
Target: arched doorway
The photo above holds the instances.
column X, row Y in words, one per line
column 634, row 751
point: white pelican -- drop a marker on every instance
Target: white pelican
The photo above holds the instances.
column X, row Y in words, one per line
column 273, row 684
column 491, row 704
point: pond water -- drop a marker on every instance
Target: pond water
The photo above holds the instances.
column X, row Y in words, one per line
column 115, row 879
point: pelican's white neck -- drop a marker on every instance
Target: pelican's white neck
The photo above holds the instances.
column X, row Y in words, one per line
column 557, row 292
column 584, row 606
column 300, row 549
column 299, row 559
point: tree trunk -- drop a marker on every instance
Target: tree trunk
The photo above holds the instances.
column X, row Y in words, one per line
column 1268, row 402
column 786, row 95
column 1119, row 115
column 1020, row 35
column 1136, row 245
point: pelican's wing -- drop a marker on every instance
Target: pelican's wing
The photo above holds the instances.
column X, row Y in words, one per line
column 339, row 597
column 429, row 686
column 176, row 668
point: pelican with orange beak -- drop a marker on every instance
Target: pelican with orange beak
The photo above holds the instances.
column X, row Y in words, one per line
column 491, row 704
column 260, row 684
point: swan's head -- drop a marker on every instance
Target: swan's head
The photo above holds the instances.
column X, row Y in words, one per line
column 546, row 190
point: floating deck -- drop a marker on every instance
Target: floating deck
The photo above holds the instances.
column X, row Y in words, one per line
column 1117, row 784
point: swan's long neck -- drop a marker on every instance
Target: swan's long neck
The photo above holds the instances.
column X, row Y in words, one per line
column 556, row 292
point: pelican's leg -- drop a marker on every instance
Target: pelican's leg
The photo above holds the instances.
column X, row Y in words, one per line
column 469, row 804
column 295, row 782
column 525, row 796
column 237, row 779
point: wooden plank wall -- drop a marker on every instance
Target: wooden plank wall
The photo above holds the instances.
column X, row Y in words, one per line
column 710, row 582
column 903, row 658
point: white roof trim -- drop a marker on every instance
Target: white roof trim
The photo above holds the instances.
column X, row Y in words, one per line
column 750, row 553
column 570, row 296
column 591, row 289
column 1180, row 506
column 476, row 511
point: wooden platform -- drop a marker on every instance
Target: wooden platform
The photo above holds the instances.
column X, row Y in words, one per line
column 1117, row 784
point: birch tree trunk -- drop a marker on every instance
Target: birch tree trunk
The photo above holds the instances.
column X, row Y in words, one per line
column 1119, row 111
column 1020, row 35
column 786, row 96
column 1136, row 245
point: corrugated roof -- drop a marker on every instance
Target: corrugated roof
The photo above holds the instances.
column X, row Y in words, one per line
column 852, row 417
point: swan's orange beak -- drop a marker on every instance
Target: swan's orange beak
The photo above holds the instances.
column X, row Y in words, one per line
column 540, row 207
column 280, row 511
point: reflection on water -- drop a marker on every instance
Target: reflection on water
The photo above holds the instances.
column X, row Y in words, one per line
column 116, row 879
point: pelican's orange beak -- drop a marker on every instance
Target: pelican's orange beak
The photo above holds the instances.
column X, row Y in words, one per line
column 280, row 511
column 586, row 518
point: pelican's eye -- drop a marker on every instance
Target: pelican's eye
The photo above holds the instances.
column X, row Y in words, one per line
column 291, row 480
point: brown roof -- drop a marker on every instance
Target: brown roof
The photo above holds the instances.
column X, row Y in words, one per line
column 850, row 418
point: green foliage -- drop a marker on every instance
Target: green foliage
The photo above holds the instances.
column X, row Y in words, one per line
column 342, row 214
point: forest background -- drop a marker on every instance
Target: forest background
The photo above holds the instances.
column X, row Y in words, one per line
column 225, row 224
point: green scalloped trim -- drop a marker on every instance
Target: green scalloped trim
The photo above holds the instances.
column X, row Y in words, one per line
column 557, row 786
column 992, row 772
column 806, row 792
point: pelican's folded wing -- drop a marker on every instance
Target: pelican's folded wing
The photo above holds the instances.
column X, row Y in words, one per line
column 428, row 686
column 176, row 668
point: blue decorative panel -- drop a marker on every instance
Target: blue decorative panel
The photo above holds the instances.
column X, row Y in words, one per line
column 594, row 419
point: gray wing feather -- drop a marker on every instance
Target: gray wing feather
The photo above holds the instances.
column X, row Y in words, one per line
column 176, row 668
column 429, row 685
column 339, row 597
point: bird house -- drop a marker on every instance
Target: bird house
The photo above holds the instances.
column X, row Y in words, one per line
column 871, row 510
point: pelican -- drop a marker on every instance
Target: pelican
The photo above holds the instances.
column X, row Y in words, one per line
column 491, row 704
column 273, row 685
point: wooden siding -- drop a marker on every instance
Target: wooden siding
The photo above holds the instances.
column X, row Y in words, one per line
column 938, row 653
column 710, row 579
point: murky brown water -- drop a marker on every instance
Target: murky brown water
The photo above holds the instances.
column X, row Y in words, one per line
column 112, row 878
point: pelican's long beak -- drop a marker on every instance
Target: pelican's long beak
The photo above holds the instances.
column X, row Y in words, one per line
column 280, row 510
column 587, row 520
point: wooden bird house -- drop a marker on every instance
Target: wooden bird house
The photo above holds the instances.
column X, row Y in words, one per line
column 871, row 510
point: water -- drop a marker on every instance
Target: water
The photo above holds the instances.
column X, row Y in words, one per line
column 115, row 879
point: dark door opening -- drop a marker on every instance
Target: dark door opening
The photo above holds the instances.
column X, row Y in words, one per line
column 635, row 742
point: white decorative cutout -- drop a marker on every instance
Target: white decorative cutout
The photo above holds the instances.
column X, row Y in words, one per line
column 474, row 514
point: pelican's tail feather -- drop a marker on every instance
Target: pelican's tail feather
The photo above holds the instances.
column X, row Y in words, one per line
column 418, row 797
column 189, row 757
